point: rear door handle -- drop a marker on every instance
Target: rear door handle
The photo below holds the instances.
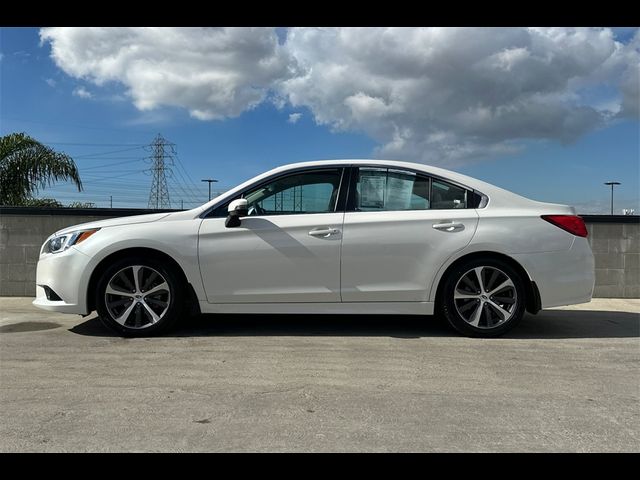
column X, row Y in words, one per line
column 323, row 232
column 449, row 227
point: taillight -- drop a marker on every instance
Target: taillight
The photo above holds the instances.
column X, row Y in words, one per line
column 571, row 223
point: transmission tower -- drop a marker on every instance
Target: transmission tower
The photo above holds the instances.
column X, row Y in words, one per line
column 161, row 158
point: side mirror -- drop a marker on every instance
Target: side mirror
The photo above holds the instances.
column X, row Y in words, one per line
column 238, row 208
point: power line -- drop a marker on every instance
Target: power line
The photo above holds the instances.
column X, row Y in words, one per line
column 180, row 165
column 100, row 154
column 185, row 192
column 74, row 125
column 95, row 144
column 188, row 188
column 109, row 160
column 189, row 185
column 123, row 173
column 109, row 165
column 111, row 184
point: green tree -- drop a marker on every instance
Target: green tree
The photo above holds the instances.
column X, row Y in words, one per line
column 41, row 202
column 82, row 205
column 27, row 165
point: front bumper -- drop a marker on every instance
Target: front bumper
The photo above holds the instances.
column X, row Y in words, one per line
column 65, row 274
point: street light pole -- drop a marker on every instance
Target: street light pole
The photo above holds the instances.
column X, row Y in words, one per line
column 612, row 185
column 209, row 181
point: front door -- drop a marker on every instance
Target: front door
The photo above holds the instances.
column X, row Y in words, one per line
column 288, row 248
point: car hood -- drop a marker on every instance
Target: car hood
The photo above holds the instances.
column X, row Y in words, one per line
column 112, row 222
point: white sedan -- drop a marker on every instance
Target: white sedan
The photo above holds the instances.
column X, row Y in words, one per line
column 346, row 236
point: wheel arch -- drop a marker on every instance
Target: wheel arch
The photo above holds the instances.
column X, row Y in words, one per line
column 143, row 252
column 532, row 294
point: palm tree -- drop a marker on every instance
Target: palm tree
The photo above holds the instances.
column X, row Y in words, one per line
column 27, row 165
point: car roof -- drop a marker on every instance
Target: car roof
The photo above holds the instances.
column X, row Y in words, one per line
column 465, row 180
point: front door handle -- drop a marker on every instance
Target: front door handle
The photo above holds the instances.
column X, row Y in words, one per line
column 449, row 226
column 323, row 232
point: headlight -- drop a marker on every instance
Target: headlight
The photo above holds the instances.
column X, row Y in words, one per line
column 60, row 243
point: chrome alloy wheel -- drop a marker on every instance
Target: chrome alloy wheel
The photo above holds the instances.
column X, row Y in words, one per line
column 485, row 297
column 137, row 296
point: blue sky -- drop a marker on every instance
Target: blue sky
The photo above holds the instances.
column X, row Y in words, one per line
column 99, row 125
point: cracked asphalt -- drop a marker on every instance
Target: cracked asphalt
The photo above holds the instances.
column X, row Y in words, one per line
column 564, row 380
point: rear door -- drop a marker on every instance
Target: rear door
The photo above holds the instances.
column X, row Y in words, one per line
column 399, row 228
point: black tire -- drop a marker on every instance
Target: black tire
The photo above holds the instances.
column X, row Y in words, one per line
column 140, row 324
column 491, row 322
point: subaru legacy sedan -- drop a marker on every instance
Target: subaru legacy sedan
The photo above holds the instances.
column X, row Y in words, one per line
column 342, row 236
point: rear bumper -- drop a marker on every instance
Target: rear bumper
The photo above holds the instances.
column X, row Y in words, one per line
column 563, row 278
column 63, row 273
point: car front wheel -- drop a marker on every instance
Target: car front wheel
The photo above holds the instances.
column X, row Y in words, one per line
column 483, row 298
column 139, row 297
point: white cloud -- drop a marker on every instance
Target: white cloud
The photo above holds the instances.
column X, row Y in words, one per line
column 452, row 95
column 82, row 92
column 51, row 82
column 437, row 95
column 155, row 118
column 294, row 117
column 212, row 72
column 629, row 64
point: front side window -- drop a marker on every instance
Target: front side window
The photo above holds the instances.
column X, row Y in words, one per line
column 306, row 192
column 380, row 189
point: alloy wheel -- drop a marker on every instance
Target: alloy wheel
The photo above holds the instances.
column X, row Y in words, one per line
column 137, row 296
column 485, row 297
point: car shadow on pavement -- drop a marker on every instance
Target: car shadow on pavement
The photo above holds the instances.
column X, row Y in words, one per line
column 548, row 324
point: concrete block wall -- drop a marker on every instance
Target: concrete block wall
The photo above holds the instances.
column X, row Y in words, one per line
column 616, row 248
column 21, row 238
column 24, row 230
column 615, row 242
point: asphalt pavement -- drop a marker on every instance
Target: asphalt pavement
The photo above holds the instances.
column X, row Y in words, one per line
column 564, row 380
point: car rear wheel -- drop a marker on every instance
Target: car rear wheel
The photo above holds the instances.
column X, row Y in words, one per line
column 139, row 297
column 483, row 298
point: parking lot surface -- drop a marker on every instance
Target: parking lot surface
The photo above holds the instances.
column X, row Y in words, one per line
column 564, row 380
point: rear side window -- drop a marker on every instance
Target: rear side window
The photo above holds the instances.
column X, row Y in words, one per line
column 383, row 189
column 447, row 196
